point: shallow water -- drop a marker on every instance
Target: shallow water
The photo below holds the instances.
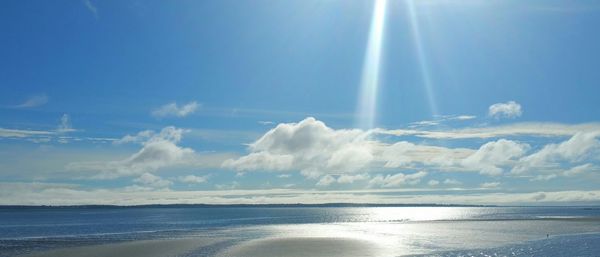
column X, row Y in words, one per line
column 387, row 231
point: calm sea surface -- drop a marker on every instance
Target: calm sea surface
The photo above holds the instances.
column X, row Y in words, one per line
column 442, row 231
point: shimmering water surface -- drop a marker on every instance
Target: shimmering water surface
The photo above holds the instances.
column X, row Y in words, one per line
column 387, row 231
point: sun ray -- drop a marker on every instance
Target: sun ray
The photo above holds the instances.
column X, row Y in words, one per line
column 367, row 105
column 421, row 58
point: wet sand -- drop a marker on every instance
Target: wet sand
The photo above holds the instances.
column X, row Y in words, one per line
column 144, row 248
column 303, row 246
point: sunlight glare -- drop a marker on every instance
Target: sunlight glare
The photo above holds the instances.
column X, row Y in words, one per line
column 367, row 105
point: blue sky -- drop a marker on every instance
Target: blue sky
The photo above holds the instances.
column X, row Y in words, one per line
column 127, row 102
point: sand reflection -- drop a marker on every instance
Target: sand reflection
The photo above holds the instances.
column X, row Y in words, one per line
column 305, row 246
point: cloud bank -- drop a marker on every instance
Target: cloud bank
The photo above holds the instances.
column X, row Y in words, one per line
column 335, row 155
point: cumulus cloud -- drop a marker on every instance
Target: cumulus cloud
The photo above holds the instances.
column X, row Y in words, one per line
column 158, row 151
column 397, row 179
column 318, row 151
column 173, row 110
column 569, row 172
column 510, row 109
column 315, row 149
column 261, row 161
column 492, row 156
column 579, row 148
column 33, row 101
column 309, row 146
column 405, row 155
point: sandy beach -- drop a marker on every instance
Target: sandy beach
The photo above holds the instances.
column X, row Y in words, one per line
column 143, row 248
column 268, row 247
column 304, row 246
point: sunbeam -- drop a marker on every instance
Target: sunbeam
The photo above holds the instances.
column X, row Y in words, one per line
column 421, row 59
column 367, row 105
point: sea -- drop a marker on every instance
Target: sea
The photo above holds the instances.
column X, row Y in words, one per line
column 395, row 231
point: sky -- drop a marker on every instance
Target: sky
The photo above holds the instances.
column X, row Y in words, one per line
column 301, row 101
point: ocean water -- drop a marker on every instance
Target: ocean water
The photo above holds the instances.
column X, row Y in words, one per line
column 389, row 231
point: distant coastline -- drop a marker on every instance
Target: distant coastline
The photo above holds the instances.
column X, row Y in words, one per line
column 295, row 205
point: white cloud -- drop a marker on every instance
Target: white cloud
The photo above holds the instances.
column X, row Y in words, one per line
column 544, row 177
column 509, row 109
column 424, row 123
column 538, row 129
column 137, row 138
column 490, row 184
column 579, row 148
column 309, row 146
column 191, row 179
column 452, row 182
column 61, row 194
column 326, row 180
column 317, row 150
column 584, row 168
column 261, row 161
column 160, row 150
column 492, row 156
column 172, row 110
column 405, row 155
column 349, row 179
column 465, row 117
column 441, row 119
column 20, row 133
column 33, row 101
column 570, row 172
column 341, row 179
column 397, row 179
column 153, row 181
